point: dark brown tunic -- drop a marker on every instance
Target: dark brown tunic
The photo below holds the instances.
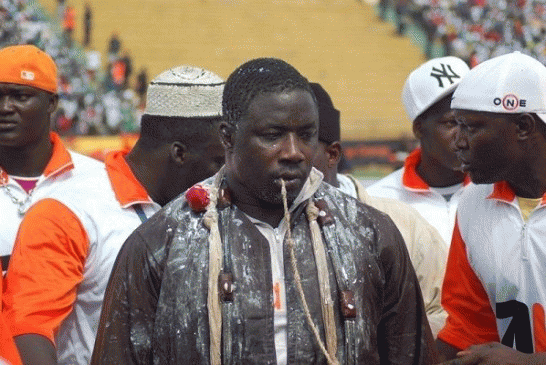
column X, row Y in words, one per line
column 155, row 307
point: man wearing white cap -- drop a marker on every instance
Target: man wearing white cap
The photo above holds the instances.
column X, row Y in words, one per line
column 494, row 288
column 429, row 180
column 68, row 242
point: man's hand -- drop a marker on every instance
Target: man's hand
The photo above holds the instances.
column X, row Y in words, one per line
column 492, row 353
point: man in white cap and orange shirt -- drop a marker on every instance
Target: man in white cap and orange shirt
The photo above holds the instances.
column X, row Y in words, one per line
column 429, row 180
column 495, row 284
column 67, row 242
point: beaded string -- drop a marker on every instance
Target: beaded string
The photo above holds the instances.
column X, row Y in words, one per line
column 330, row 357
column 215, row 265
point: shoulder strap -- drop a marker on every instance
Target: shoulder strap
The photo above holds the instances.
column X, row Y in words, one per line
column 140, row 212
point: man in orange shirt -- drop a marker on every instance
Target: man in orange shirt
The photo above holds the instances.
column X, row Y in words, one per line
column 33, row 160
column 68, row 242
column 8, row 351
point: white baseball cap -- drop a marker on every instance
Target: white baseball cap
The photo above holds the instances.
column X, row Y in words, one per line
column 430, row 82
column 511, row 83
column 185, row 91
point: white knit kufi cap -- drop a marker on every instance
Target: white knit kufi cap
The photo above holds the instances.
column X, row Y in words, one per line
column 187, row 92
column 511, row 83
column 430, row 82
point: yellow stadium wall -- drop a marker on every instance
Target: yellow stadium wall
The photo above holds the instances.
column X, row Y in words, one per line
column 341, row 44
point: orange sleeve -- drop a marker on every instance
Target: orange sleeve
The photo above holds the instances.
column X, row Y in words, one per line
column 471, row 319
column 8, row 351
column 45, row 269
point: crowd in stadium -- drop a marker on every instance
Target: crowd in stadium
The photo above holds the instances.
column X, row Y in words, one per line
column 476, row 30
column 98, row 100
column 94, row 99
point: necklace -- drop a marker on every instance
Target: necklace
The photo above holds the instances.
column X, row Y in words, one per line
column 21, row 203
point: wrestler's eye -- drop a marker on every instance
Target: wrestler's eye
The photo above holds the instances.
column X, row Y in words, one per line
column 307, row 134
column 271, row 135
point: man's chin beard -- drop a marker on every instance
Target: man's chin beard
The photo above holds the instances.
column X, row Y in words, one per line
column 275, row 199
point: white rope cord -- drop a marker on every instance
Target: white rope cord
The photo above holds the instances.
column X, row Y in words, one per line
column 326, row 302
column 210, row 220
column 291, row 245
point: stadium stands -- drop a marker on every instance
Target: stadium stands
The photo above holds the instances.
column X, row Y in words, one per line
column 88, row 103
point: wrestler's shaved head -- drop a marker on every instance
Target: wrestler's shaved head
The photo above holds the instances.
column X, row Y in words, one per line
column 261, row 75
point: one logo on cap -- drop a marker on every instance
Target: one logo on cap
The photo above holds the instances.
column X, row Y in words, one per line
column 27, row 75
column 445, row 71
column 510, row 102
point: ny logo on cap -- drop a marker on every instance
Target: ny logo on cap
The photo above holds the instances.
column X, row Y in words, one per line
column 438, row 74
column 27, row 75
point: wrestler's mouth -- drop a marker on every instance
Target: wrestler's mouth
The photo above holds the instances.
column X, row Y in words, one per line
column 464, row 165
column 7, row 124
column 291, row 180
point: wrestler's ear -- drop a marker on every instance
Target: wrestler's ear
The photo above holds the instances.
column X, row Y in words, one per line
column 177, row 152
column 227, row 131
column 53, row 102
column 417, row 128
column 333, row 150
column 526, row 125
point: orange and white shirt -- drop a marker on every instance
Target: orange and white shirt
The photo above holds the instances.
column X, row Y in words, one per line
column 62, row 166
column 407, row 186
column 495, row 282
column 63, row 255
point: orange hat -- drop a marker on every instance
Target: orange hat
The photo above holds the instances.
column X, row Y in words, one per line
column 28, row 65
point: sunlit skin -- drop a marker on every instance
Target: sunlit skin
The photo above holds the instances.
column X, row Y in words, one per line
column 494, row 353
column 436, row 130
column 25, row 114
column 169, row 169
column 326, row 159
column 199, row 164
column 275, row 140
column 494, row 147
column 486, row 145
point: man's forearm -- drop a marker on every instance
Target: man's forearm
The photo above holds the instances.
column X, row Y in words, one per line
column 36, row 350
column 446, row 351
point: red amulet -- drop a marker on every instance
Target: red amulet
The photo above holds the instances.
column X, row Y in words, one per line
column 198, row 198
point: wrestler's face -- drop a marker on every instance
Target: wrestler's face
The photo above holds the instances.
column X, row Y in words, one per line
column 487, row 146
column 24, row 114
column 275, row 140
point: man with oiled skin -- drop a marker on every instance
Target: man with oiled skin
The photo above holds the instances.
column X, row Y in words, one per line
column 220, row 274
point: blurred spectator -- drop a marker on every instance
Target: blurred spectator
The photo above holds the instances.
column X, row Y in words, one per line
column 87, row 24
column 142, row 84
column 69, row 22
column 114, row 45
column 401, row 9
column 383, row 5
column 128, row 63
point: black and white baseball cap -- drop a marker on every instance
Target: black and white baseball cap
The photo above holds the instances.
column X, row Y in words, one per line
column 430, row 82
column 511, row 83
column 185, row 91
